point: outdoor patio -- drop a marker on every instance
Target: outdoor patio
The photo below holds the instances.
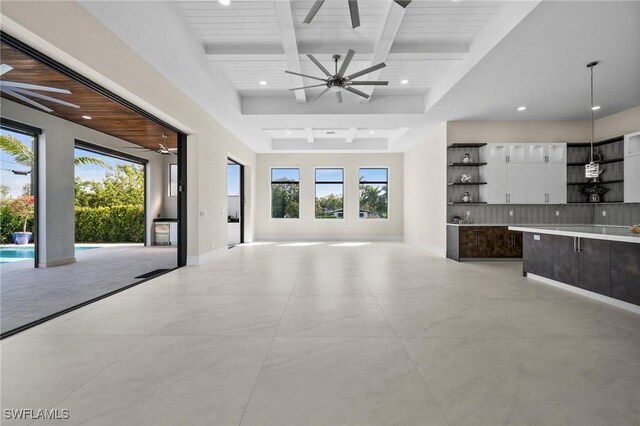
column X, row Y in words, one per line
column 28, row 294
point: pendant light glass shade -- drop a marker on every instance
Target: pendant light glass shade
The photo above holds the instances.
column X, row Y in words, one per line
column 592, row 169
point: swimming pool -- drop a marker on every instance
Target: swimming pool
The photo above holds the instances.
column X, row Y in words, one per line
column 16, row 253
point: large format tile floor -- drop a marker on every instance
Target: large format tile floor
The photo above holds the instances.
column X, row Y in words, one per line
column 333, row 334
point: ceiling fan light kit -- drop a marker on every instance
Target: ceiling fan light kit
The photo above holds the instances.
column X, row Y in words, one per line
column 338, row 81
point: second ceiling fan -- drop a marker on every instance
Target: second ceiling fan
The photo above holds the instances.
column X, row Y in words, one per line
column 339, row 81
column 353, row 11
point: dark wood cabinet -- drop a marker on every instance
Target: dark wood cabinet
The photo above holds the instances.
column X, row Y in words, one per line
column 595, row 265
column 566, row 265
column 625, row 272
column 483, row 242
column 538, row 254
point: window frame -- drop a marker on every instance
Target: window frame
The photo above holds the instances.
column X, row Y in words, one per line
column 300, row 198
column 376, row 183
column 315, row 190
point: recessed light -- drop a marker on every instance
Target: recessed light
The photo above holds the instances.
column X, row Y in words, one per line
column 522, row 108
column 86, row 117
column 288, row 132
column 225, row 2
column 404, row 82
column 596, row 107
column 371, row 132
column 263, row 83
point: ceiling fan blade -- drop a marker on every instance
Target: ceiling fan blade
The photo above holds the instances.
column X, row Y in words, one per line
column 368, row 83
column 12, row 84
column 357, row 92
column 44, row 97
column 308, row 87
column 320, row 94
column 305, row 75
column 366, row 71
column 355, row 14
column 138, row 147
column 319, row 65
column 346, row 62
column 339, row 96
column 4, row 68
column 312, row 13
column 25, row 99
column 403, row 3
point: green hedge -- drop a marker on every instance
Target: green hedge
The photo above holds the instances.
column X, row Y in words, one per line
column 10, row 223
column 117, row 224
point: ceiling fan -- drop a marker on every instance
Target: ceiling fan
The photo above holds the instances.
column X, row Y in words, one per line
column 162, row 148
column 339, row 81
column 24, row 91
column 353, row 10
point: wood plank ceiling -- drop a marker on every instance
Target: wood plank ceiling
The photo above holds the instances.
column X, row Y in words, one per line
column 107, row 115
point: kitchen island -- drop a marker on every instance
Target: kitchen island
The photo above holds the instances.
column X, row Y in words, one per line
column 602, row 262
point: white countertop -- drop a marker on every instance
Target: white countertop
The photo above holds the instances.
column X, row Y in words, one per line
column 598, row 232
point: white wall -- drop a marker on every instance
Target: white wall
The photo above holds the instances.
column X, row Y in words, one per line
column 425, row 192
column 307, row 226
column 56, row 179
column 103, row 57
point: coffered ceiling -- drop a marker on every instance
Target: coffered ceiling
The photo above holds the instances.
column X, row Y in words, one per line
column 231, row 60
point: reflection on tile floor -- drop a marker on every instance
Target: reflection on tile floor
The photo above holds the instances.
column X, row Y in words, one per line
column 333, row 334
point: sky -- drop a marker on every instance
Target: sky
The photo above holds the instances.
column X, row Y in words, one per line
column 16, row 182
column 233, row 179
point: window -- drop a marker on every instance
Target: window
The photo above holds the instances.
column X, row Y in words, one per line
column 329, row 193
column 173, row 180
column 374, row 193
column 285, row 193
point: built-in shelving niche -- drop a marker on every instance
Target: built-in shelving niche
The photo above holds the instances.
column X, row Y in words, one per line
column 456, row 168
column 612, row 154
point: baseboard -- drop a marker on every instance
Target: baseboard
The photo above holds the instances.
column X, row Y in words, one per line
column 207, row 257
column 606, row 299
column 438, row 251
column 322, row 238
column 57, row 262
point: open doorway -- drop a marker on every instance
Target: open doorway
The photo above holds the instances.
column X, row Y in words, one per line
column 18, row 194
column 235, row 203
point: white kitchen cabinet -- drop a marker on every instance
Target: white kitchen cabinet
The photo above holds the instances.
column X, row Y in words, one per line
column 632, row 168
column 524, row 174
column 556, row 153
column 536, row 183
column 556, row 183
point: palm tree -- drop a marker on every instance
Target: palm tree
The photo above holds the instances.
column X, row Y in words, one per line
column 24, row 155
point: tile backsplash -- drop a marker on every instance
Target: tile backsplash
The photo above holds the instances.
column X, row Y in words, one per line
column 616, row 214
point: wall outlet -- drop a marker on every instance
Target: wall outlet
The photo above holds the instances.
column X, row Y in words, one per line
column 468, row 213
column 510, row 212
column 557, row 212
column 604, row 212
column 213, row 245
column 203, row 213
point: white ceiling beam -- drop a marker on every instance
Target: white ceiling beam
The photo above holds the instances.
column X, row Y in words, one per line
column 309, row 132
column 249, row 52
column 284, row 14
column 505, row 20
column 351, row 135
column 386, row 37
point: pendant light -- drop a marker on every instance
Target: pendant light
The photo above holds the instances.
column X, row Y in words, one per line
column 592, row 170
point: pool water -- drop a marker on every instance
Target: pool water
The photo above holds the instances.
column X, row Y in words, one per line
column 17, row 253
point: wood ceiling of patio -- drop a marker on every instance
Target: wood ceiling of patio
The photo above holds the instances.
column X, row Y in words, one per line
column 107, row 115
